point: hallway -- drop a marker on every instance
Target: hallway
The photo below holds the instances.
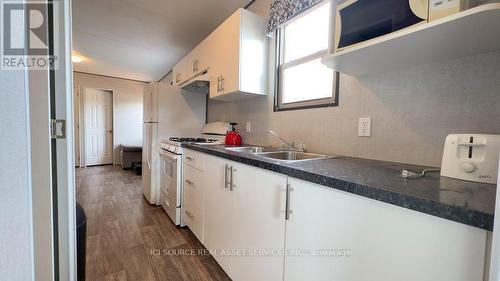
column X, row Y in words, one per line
column 125, row 233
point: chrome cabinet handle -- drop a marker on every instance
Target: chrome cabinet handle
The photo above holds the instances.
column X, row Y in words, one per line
column 189, row 158
column 218, row 84
column 189, row 182
column 188, row 213
column 226, row 183
column 288, row 212
column 195, row 65
column 222, row 83
column 231, row 178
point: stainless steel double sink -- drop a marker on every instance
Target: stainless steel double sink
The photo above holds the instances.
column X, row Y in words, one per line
column 278, row 155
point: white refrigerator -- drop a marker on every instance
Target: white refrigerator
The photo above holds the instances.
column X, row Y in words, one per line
column 150, row 142
column 168, row 111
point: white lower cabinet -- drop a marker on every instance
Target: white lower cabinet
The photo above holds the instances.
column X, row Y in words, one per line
column 259, row 223
column 244, row 219
column 218, row 213
column 192, row 211
column 386, row 242
column 329, row 235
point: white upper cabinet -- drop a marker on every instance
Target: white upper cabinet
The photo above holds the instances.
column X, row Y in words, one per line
column 240, row 57
column 196, row 62
column 452, row 36
column 198, row 59
column 180, row 72
column 235, row 55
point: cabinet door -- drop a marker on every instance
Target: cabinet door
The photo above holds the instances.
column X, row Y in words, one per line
column 218, row 213
column 259, row 224
column 384, row 242
column 193, row 200
column 197, row 59
column 180, row 71
column 226, row 55
column 203, row 54
column 189, row 65
column 177, row 74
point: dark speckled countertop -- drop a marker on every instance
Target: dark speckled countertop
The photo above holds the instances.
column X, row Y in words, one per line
column 461, row 201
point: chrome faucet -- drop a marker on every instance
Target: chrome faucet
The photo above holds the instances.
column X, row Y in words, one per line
column 290, row 145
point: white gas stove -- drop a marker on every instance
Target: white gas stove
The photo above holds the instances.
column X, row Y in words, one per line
column 171, row 174
column 175, row 144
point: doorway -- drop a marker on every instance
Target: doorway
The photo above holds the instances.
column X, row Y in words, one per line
column 98, row 126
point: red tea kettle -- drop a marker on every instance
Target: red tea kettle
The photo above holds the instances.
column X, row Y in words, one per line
column 233, row 137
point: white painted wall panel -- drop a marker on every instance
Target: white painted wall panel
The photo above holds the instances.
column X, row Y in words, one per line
column 15, row 189
column 412, row 110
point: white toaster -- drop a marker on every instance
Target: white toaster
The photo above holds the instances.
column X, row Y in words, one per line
column 472, row 157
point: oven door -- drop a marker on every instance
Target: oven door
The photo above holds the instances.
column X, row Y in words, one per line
column 358, row 21
column 170, row 176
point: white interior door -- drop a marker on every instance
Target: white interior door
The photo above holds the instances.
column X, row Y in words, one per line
column 98, row 127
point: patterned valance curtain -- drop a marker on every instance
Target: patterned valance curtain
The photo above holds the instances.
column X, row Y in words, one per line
column 282, row 11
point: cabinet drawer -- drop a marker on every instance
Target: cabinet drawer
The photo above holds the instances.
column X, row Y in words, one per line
column 193, row 185
column 192, row 213
column 194, row 159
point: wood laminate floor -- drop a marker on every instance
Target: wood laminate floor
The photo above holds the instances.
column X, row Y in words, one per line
column 125, row 233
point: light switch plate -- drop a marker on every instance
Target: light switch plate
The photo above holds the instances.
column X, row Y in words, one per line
column 365, row 127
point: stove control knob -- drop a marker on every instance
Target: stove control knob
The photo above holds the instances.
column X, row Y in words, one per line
column 468, row 167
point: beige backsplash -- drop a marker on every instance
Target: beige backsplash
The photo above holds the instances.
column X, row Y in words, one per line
column 412, row 111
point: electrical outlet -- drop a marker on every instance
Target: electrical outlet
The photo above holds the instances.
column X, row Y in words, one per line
column 248, row 127
column 365, row 127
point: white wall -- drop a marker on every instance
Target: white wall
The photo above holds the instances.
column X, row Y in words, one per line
column 412, row 110
column 127, row 107
column 15, row 189
column 180, row 113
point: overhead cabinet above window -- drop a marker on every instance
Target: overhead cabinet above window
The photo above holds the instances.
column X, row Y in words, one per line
column 233, row 59
column 368, row 40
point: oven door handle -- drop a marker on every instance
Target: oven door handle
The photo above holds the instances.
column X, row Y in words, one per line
column 169, row 155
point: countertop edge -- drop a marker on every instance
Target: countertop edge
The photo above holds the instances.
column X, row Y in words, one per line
column 454, row 213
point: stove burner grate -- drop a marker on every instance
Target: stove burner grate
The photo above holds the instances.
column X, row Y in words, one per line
column 190, row 139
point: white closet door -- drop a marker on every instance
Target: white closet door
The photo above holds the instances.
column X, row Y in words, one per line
column 98, row 127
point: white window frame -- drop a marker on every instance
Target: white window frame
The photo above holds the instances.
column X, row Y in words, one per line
column 281, row 66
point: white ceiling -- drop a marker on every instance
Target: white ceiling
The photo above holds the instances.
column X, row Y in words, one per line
column 142, row 40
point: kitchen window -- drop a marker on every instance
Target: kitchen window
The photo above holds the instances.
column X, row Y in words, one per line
column 302, row 80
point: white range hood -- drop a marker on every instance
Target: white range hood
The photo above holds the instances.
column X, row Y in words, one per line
column 200, row 83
